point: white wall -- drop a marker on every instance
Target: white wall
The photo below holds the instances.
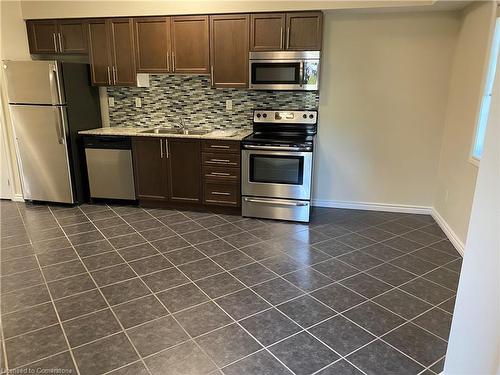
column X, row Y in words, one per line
column 383, row 95
column 13, row 46
column 474, row 345
column 457, row 175
column 79, row 8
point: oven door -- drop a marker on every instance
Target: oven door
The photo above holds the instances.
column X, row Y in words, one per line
column 276, row 174
column 276, row 74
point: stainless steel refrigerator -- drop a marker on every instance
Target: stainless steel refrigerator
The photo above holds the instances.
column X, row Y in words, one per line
column 49, row 103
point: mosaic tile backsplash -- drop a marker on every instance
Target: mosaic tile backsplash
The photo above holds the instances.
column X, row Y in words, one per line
column 171, row 96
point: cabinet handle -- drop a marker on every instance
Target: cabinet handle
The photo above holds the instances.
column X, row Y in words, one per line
column 219, row 174
column 161, row 148
column 168, row 61
column 288, row 37
column 114, row 75
column 55, row 41
column 212, row 75
column 60, row 42
column 173, row 61
column 218, row 161
column 219, row 146
column 219, row 193
column 281, row 37
column 109, row 77
column 166, row 148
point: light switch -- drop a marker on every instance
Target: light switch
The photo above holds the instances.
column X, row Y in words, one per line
column 229, row 105
column 111, row 101
column 138, row 102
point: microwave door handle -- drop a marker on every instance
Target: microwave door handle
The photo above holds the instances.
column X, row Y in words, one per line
column 301, row 73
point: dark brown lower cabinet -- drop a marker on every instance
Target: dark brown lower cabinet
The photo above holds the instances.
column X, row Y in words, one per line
column 150, row 168
column 184, row 167
column 181, row 172
column 221, row 173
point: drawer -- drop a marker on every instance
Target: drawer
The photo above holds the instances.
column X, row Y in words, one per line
column 221, row 174
column 222, row 194
column 225, row 160
column 221, row 146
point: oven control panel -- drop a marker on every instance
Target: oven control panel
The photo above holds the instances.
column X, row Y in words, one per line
column 285, row 117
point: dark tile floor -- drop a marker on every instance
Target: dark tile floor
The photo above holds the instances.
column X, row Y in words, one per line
column 123, row 290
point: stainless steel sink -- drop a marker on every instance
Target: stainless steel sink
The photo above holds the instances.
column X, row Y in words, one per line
column 194, row 131
column 176, row 131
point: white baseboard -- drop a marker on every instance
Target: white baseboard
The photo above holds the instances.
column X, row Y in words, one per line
column 450, row 233
column 373, row 206
column 17, row 198
column 452, row 236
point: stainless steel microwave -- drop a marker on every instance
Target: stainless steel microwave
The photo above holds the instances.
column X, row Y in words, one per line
column 284, row 70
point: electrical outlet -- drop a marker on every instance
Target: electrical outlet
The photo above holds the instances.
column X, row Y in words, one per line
column 111, row 101
column 229, row 105
column 138, row 102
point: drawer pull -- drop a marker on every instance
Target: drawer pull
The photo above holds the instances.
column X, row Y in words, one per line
column 219, row 161
column 219, row 174
column 219, row 146
column 219, row 193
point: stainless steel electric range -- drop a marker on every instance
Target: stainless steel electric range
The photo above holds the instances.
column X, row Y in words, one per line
column 277, row 164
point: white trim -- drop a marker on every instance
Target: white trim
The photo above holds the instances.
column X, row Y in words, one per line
column 18, row 198
column 473, row 160
column 452, row 236
column 424, row 210
column 388, row 207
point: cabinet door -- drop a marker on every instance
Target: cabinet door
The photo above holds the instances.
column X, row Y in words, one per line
column 42, row 36
column 72, row 36
column 152, row 44
column 267, row 31
column 190, row 44
column 100, row 55
column 122, row 47
column 229, row 50
column 150, row 168
column 184, row 170
column 304, row 31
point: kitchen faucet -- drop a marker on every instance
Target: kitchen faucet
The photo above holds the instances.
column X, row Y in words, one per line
column 181, row 124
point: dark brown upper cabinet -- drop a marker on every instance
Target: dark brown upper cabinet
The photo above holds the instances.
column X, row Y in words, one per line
column 190, row 44
column 100, row 56
column 150, row 168
column 72, row 36
column 267, row 31
column 152, row 44
column 122, row 50
column 112, row 52
column 57, row 36
column 229, row 50
column 296, row 31
column 304, row 31
column 42, row 36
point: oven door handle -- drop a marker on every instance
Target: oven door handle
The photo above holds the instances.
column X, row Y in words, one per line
column 277, row 148
column 276, row 203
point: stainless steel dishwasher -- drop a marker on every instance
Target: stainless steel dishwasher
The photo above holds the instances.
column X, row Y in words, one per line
column 109, row 167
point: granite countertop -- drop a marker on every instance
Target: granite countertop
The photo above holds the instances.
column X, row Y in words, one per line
column 227, row 134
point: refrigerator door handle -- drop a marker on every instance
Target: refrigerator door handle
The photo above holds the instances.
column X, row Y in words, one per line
column 54, row 85
column 60, row 125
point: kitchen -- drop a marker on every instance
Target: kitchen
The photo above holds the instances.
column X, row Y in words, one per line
column 196, row 130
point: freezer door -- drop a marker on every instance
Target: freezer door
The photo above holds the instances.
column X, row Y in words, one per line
column 40, row 133
column 34, row 82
